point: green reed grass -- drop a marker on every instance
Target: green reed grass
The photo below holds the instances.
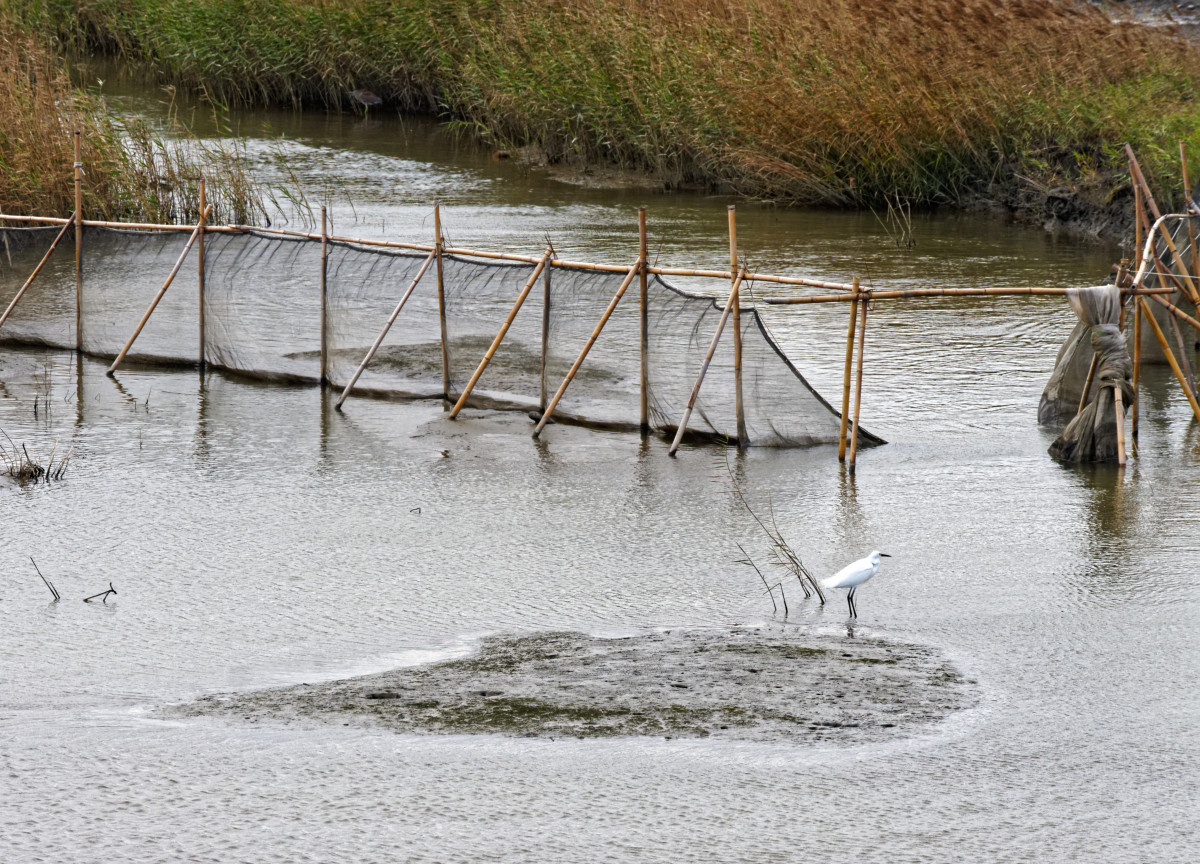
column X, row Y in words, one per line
column 844, row 102
column 131, row 170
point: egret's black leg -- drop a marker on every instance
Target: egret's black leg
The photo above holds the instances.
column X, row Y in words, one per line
column 850, row 603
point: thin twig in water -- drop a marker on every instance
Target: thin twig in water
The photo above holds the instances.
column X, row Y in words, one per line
column 49, row 584
column 103, row 595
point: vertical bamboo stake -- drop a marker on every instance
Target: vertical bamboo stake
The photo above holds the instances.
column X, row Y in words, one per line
column 324, row 296
column 739, row 404
column 712, row 349
column 862, row 337
column 438, row 245
column 1170, row 355
column 1121, row 278
column 487, row 358
column 78, row 240
column 200, row 270
column 1087, row 383
column 1119, row 411
column 545, row 337
column 644, row 258
column 846, row 374
column 1137, row 368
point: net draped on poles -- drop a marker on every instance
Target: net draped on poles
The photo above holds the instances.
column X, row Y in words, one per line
column 262, row 318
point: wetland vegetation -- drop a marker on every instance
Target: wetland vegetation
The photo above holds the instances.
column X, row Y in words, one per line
column 1022, row 104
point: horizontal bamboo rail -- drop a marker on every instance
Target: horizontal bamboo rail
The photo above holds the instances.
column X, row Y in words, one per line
column 941, row 292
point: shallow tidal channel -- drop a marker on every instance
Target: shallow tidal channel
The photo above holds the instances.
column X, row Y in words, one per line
column 276, row 561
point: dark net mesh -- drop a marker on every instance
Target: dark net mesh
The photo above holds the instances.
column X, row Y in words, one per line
column 262, row 305
column 46, row 313
column 262, row 315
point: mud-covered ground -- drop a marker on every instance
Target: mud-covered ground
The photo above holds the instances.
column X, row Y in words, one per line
column 746, row 684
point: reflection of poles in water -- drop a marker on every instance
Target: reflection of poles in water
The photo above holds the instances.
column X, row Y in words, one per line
column 203, row 407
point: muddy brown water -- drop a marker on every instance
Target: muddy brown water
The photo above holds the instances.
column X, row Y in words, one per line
column 257, row 539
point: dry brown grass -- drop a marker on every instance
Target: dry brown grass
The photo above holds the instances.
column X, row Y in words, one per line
column 131, row 171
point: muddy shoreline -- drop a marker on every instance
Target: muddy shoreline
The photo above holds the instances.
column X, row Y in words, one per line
column 745, row 684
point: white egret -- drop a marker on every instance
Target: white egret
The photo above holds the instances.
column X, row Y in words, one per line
column 853, row 575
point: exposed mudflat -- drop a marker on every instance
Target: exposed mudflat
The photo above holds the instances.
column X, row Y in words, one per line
column 745, row 684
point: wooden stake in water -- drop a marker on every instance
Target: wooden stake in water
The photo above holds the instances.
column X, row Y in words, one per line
column 157, row 297
column 562, row 388
column 325, row 296
column 739, row 405
column 644, row 258
column 200, row 270
column 383, row 333
column 542, row 394
column 487, row 358
column 78, row 240
column 712, row 349
column 846, row 375
column 438, row 245
column 36, row 270
column 1119, row 411
column 862, row 337
column 1137, row 369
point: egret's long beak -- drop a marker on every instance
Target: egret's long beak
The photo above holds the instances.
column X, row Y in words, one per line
column 884, row 555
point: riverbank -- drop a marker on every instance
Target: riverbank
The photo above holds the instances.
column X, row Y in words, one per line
column 1019, row 106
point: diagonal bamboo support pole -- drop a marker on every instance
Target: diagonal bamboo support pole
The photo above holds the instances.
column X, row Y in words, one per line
column 1087, row 383
column 1162, row 343
column 161, row 291
column 487, row 358
column 383, row 333
column 862, row 338
column 36, row 271
column 562, row 388
column 846, row 375
column 712, row 349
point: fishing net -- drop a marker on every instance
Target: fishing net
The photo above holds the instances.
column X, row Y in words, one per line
column 1092, row 435
column 262, row 317
column 45, row 314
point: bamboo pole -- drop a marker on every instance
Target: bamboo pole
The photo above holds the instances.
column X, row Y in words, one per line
column 1137, row 370
column 644, row 319
column 157, row 297
column 942, row 292
column 1139, row 216
column 562, row 388
column 1187, row 196
column 36, row 270
column 846, row 376
column 862, row 338
column 200, row 269
column 1119, row 411
column 1177, row 312
column 441, row 294
column 1087, row 384
column 383, row 333
column 739, row 405
column 712, row 349
column 1162, row 343
column 542, row 394
column 325, row 296
column 1194, row 296
column 78, row 240
column 487, row 358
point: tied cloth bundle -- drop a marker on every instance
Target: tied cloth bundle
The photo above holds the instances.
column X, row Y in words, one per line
column 1092, row 435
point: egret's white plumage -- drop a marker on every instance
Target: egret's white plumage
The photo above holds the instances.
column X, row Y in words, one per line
column 855, row 574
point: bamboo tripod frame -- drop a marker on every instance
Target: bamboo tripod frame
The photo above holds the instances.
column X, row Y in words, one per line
column 738, row 276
